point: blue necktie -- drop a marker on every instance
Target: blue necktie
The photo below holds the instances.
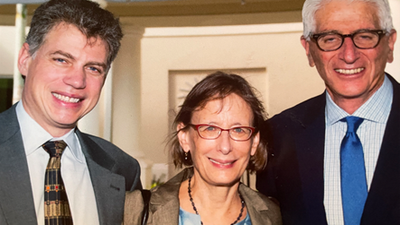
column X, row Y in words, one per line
column 352, row 171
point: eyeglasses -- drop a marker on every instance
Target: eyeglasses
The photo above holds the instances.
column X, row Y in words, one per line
column 211, row 132
column 363, row 39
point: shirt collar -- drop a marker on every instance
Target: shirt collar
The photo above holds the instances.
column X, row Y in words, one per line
column 33, row 135
column 376, row 108
column 72, row 142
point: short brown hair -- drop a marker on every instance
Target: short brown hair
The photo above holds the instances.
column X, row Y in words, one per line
column 86, row 15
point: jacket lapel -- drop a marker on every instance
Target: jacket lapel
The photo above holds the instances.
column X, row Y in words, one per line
column 16, row 199
column 257, row 208
column 109, row 187
column 385, row 186
column 310, row 152
column 164, row 204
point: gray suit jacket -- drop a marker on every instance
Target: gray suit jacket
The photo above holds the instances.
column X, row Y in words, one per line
column 111, row 170
column 164, row 204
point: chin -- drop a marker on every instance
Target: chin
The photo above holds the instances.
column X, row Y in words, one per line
column 226, row 181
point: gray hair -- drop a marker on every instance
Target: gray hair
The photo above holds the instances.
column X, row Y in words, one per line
column 87, row 16
column 310, row 7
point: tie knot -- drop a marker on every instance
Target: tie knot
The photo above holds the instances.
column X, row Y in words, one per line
column 353, row 122
column 54, row 148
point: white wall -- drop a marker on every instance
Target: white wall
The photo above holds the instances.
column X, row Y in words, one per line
column 7, row 50
column 394, row 68
column 272, row 53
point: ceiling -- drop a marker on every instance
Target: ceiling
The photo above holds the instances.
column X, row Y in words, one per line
column 187, row 7
column 169, row 13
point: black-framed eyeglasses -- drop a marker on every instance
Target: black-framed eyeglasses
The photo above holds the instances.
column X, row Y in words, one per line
column 210, row 132
column 363, row 39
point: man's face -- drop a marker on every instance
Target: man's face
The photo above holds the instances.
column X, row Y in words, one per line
column 63, row 78
column 351, row 75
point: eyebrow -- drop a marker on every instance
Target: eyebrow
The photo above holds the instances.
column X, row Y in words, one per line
column 63, row 53
column 69, row 56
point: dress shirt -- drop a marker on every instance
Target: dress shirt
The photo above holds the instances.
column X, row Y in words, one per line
column 375, row 113
column 74, row 170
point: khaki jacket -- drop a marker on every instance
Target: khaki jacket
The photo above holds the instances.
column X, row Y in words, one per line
column 164, row 204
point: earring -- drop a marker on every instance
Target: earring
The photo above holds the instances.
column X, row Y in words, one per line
column 186, row 155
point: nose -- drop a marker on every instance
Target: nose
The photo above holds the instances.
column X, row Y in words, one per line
column 224, row 144
column 349, row 52
column 76, row 78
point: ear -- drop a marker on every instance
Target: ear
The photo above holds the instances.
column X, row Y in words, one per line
column 24, row 59
column 183, row 136
column 392, row 40
column 254, row 145
column 306, row 46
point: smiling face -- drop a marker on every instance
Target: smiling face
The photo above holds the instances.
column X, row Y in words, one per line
column 220, row 162
column 63, row 78
column 351, row 75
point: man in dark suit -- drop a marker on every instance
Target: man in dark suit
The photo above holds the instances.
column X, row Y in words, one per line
column 350, row 43
column 64, row 61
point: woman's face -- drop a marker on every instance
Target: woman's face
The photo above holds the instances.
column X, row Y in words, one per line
column 222, row 161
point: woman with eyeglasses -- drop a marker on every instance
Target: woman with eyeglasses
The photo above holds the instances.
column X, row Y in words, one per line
column 217, row 138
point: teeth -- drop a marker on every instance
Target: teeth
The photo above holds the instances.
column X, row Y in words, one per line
column 66, row 98
column 352, row 71
column 224, row 164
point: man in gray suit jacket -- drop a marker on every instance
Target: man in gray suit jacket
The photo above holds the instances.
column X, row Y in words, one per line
column 350, row 43
column 64, row 62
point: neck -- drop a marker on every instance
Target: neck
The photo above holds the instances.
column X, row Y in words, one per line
column 349, row 106
column 213, row 195
column 351, row 103
column 214, row 204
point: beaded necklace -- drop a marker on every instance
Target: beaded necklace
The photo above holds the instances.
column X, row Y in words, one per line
column 195, row 209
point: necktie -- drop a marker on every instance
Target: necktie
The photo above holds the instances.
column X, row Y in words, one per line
column 353, row 180
column 56, row 208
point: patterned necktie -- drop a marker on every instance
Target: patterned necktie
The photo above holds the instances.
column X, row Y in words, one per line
column 353, row 180
column 56, row 208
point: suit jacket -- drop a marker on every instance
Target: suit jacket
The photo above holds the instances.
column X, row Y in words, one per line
column 111, row 170
column 164, row 204
column 295, row 177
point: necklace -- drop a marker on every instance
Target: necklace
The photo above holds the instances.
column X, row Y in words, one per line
column 195, row 209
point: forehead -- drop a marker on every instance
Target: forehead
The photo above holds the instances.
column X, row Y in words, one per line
column 68, row 38
column 346, row 16
column 232, row 105
column 64, row 31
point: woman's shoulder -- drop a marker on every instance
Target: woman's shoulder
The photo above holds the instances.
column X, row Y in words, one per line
column 252, row 194
column 133, row 207
column 133, row 199
column 260, row 204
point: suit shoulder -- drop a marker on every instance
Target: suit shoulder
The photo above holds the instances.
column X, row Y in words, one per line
column 113, row 150
column 299, row 113
column 124, row 164
column 122, row 159
column 8, row 117
column 9, row 123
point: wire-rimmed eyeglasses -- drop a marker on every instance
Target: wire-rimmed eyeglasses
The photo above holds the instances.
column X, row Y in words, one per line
column 210, row 132
column 363, row 39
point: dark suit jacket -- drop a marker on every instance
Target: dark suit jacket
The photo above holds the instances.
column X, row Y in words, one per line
column 294, row 174
column 164, row 204
column 111, row 170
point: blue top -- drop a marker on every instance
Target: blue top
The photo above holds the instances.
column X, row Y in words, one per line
column 187, row 218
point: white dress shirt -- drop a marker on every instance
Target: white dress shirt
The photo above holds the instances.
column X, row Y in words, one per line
column 375, row 113
column 74, row 170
